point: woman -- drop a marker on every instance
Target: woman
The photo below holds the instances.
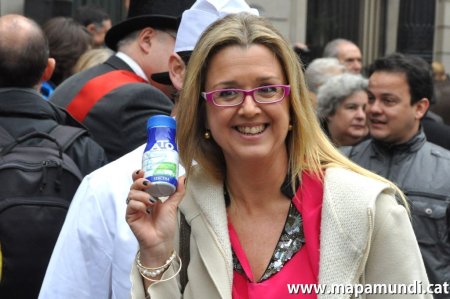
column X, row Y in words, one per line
column 341, row 107
column 67, row 40
column 92, row 57
column 269, row 201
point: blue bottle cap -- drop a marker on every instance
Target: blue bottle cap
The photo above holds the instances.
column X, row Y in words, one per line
column 161, row 121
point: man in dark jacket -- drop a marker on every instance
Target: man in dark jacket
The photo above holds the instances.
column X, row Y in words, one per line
column 33, row 217
column 399, row 91
column 24, row 64
column 115, row 99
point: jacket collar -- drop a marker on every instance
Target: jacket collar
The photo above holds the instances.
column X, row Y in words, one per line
column 411, row 146
column 117, row 63
column 27, row 102
column 137, row 69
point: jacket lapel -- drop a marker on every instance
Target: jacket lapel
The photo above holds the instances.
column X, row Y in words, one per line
column 205, row 200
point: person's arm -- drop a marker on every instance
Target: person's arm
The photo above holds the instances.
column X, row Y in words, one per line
column 81, row 259
column 154, row 224
column 394, row 256
column 165, row 290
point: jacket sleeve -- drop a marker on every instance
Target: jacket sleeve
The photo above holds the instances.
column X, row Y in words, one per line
column 160, row 290
column 394, row 256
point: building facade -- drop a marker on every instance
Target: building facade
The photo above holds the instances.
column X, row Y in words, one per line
column 379, row 27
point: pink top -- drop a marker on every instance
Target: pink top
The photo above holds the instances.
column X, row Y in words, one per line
column 303, row 267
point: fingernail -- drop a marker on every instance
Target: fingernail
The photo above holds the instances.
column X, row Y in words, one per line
column 152, row 199
column 137, row 171
column 145, row 183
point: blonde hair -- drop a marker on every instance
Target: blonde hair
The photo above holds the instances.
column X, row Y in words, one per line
column 438, row 70
column 308, row 147
column 92, row 58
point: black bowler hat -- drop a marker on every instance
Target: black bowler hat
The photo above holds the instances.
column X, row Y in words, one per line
column 160, row 14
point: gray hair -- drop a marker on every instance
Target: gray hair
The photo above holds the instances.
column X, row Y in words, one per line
column 128, row 39
column 320, row 70
column 334, row 91
column 332, row 47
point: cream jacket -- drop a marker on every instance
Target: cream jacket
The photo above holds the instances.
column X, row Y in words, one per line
column 366, row 238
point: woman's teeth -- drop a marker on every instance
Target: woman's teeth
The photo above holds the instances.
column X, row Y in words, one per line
column 251, row 130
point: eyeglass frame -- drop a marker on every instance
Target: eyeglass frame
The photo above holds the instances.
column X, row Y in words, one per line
column 208, row 96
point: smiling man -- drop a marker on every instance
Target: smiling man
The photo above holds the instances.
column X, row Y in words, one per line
column 399, row 90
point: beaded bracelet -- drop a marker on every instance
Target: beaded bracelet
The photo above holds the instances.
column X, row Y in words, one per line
column 150, row 273
column 153, row 272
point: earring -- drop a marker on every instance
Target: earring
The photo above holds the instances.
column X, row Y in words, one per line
column 207, row 135
column 290, row 127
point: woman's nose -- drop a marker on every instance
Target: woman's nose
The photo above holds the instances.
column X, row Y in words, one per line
column 249, row 105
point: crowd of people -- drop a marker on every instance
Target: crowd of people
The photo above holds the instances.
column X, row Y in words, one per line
column 292, row 173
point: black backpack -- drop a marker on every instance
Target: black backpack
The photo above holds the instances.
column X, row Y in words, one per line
column 37, row 183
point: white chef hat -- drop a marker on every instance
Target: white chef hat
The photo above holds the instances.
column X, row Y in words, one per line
column 202, row 14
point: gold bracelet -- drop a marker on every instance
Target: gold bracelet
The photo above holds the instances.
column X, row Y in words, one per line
column 146, row 277
column 153, row 272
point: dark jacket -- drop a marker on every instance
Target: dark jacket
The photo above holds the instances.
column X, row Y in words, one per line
column 442, row 103
column 24, row 110
column 118, row 121
column 436, row 132
column 422, row 170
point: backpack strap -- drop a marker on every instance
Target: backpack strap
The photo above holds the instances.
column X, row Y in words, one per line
column 66, row 135
column 184, row 250
column 96, row 88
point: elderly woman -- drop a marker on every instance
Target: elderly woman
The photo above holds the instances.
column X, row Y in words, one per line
column 270, row 202
column 319, row 71
column 341, row 108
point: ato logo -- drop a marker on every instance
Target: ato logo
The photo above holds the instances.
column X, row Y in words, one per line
column 162, row 145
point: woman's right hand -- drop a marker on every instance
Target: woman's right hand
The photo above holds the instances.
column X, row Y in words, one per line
column 153, row 223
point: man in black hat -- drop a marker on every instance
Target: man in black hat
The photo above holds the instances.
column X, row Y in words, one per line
column 115, row 99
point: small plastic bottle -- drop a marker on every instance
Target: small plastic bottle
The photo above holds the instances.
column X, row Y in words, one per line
column 160, row 159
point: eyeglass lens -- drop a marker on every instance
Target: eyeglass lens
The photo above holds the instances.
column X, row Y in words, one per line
column 263, row 94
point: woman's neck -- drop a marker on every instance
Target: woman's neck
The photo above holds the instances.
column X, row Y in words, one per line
column 256, row 184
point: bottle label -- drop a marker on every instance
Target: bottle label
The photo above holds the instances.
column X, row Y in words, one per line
column 160, row 158
column 161, row 164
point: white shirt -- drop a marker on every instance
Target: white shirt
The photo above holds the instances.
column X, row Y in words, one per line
column 96, row 248
column 132, row 64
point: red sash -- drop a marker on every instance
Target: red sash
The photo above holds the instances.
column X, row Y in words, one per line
column 97, row 88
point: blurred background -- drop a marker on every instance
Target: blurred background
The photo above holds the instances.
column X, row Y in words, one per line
column 378, row 27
